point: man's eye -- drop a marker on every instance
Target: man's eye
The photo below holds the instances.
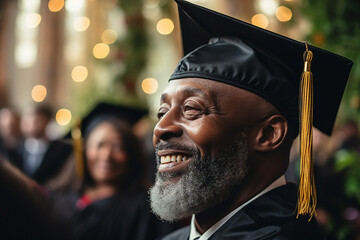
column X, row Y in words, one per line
column 162, row 111
column 191, row 110
column 160, row 114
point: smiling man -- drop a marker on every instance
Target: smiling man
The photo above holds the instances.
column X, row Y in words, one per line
column 226, row 124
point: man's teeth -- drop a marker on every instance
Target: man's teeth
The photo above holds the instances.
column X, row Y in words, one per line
column 173, row 158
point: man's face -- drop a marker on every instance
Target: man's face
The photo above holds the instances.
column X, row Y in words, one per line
column 201, row 145
column 34, row 124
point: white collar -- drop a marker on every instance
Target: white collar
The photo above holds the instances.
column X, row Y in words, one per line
column 194, row 233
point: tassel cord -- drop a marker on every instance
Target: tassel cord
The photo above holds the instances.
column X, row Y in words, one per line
column 307, row 192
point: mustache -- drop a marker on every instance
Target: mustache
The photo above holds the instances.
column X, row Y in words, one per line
column 176, row 146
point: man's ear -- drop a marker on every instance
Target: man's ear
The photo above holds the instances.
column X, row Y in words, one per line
column 271, row 133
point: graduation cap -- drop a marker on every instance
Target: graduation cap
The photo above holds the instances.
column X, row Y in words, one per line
column 101, row 112
column 277, row 68
column 105, row 110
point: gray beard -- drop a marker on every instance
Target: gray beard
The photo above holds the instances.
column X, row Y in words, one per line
column 206, row 183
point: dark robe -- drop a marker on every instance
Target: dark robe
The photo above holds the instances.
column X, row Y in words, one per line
column 12, row 154
column 25, row 209
column 54, row 158
column 122, row 216
column 271, row 216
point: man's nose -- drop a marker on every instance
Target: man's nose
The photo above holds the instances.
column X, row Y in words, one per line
column 167, row 127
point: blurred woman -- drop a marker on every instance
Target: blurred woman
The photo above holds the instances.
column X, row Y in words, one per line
column 112, row 200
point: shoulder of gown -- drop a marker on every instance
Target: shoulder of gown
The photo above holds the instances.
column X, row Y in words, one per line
column 271, row 216
column 180, row 234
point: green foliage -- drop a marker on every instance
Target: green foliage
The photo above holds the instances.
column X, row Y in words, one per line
column 349, row 162
column 132, row 50
column 344, row 159
column 336, row 27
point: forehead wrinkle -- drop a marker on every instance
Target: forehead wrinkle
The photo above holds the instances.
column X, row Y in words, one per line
column 193, row 91
column 186, row 91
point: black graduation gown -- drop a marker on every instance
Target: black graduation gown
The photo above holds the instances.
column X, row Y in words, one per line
column 10, row 154
column 52, row 162
column 24, row 208
column 271, row 216
column 125, row 216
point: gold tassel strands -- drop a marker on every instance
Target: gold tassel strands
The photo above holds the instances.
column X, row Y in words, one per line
column 307, row 192
column 78, row 150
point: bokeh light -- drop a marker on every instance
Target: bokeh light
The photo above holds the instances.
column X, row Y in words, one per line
column 260, row 20
column 283, row 14
column 38, row 93
column 81, row 24
column 79, row 73
column 152, row 14
column 74, row 5
column 55, row 5
column 26, row 54
column 165, row 26
column 151, row 3
column 268, row 6
column 151, row 9
column 101, row 50
column 29, row 5
column 109, row 36
column 32, row 20
column 63, row 116
column 149, row 85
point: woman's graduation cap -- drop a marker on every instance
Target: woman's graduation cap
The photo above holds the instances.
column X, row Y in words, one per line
column 101, row 112
column 277, row 68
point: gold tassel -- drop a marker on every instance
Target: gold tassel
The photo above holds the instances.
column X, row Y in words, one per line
column 307, row 191
column 78, row 151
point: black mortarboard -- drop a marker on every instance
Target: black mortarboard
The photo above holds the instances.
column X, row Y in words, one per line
column 277, row 68
column 105, row 110
column 281, row 57
column 101, row 112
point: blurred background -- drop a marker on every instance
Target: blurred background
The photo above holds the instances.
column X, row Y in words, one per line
column 69, row 55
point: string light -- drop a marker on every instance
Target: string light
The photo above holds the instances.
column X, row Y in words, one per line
column 81, row 24
column 149, row 85
column 79, row 73
column 260, row 20
column 33, row 20
column 26, row 54
column 268, row 6
column 55, row 5
column 63, row 117
column 151, row 3
column 101, row 50
column 283, row 14
column 165, row 26
column 74, row 5
column 109, row 36
column 38, row 93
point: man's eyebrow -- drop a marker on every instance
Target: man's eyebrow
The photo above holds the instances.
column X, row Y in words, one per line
column 164, row 96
